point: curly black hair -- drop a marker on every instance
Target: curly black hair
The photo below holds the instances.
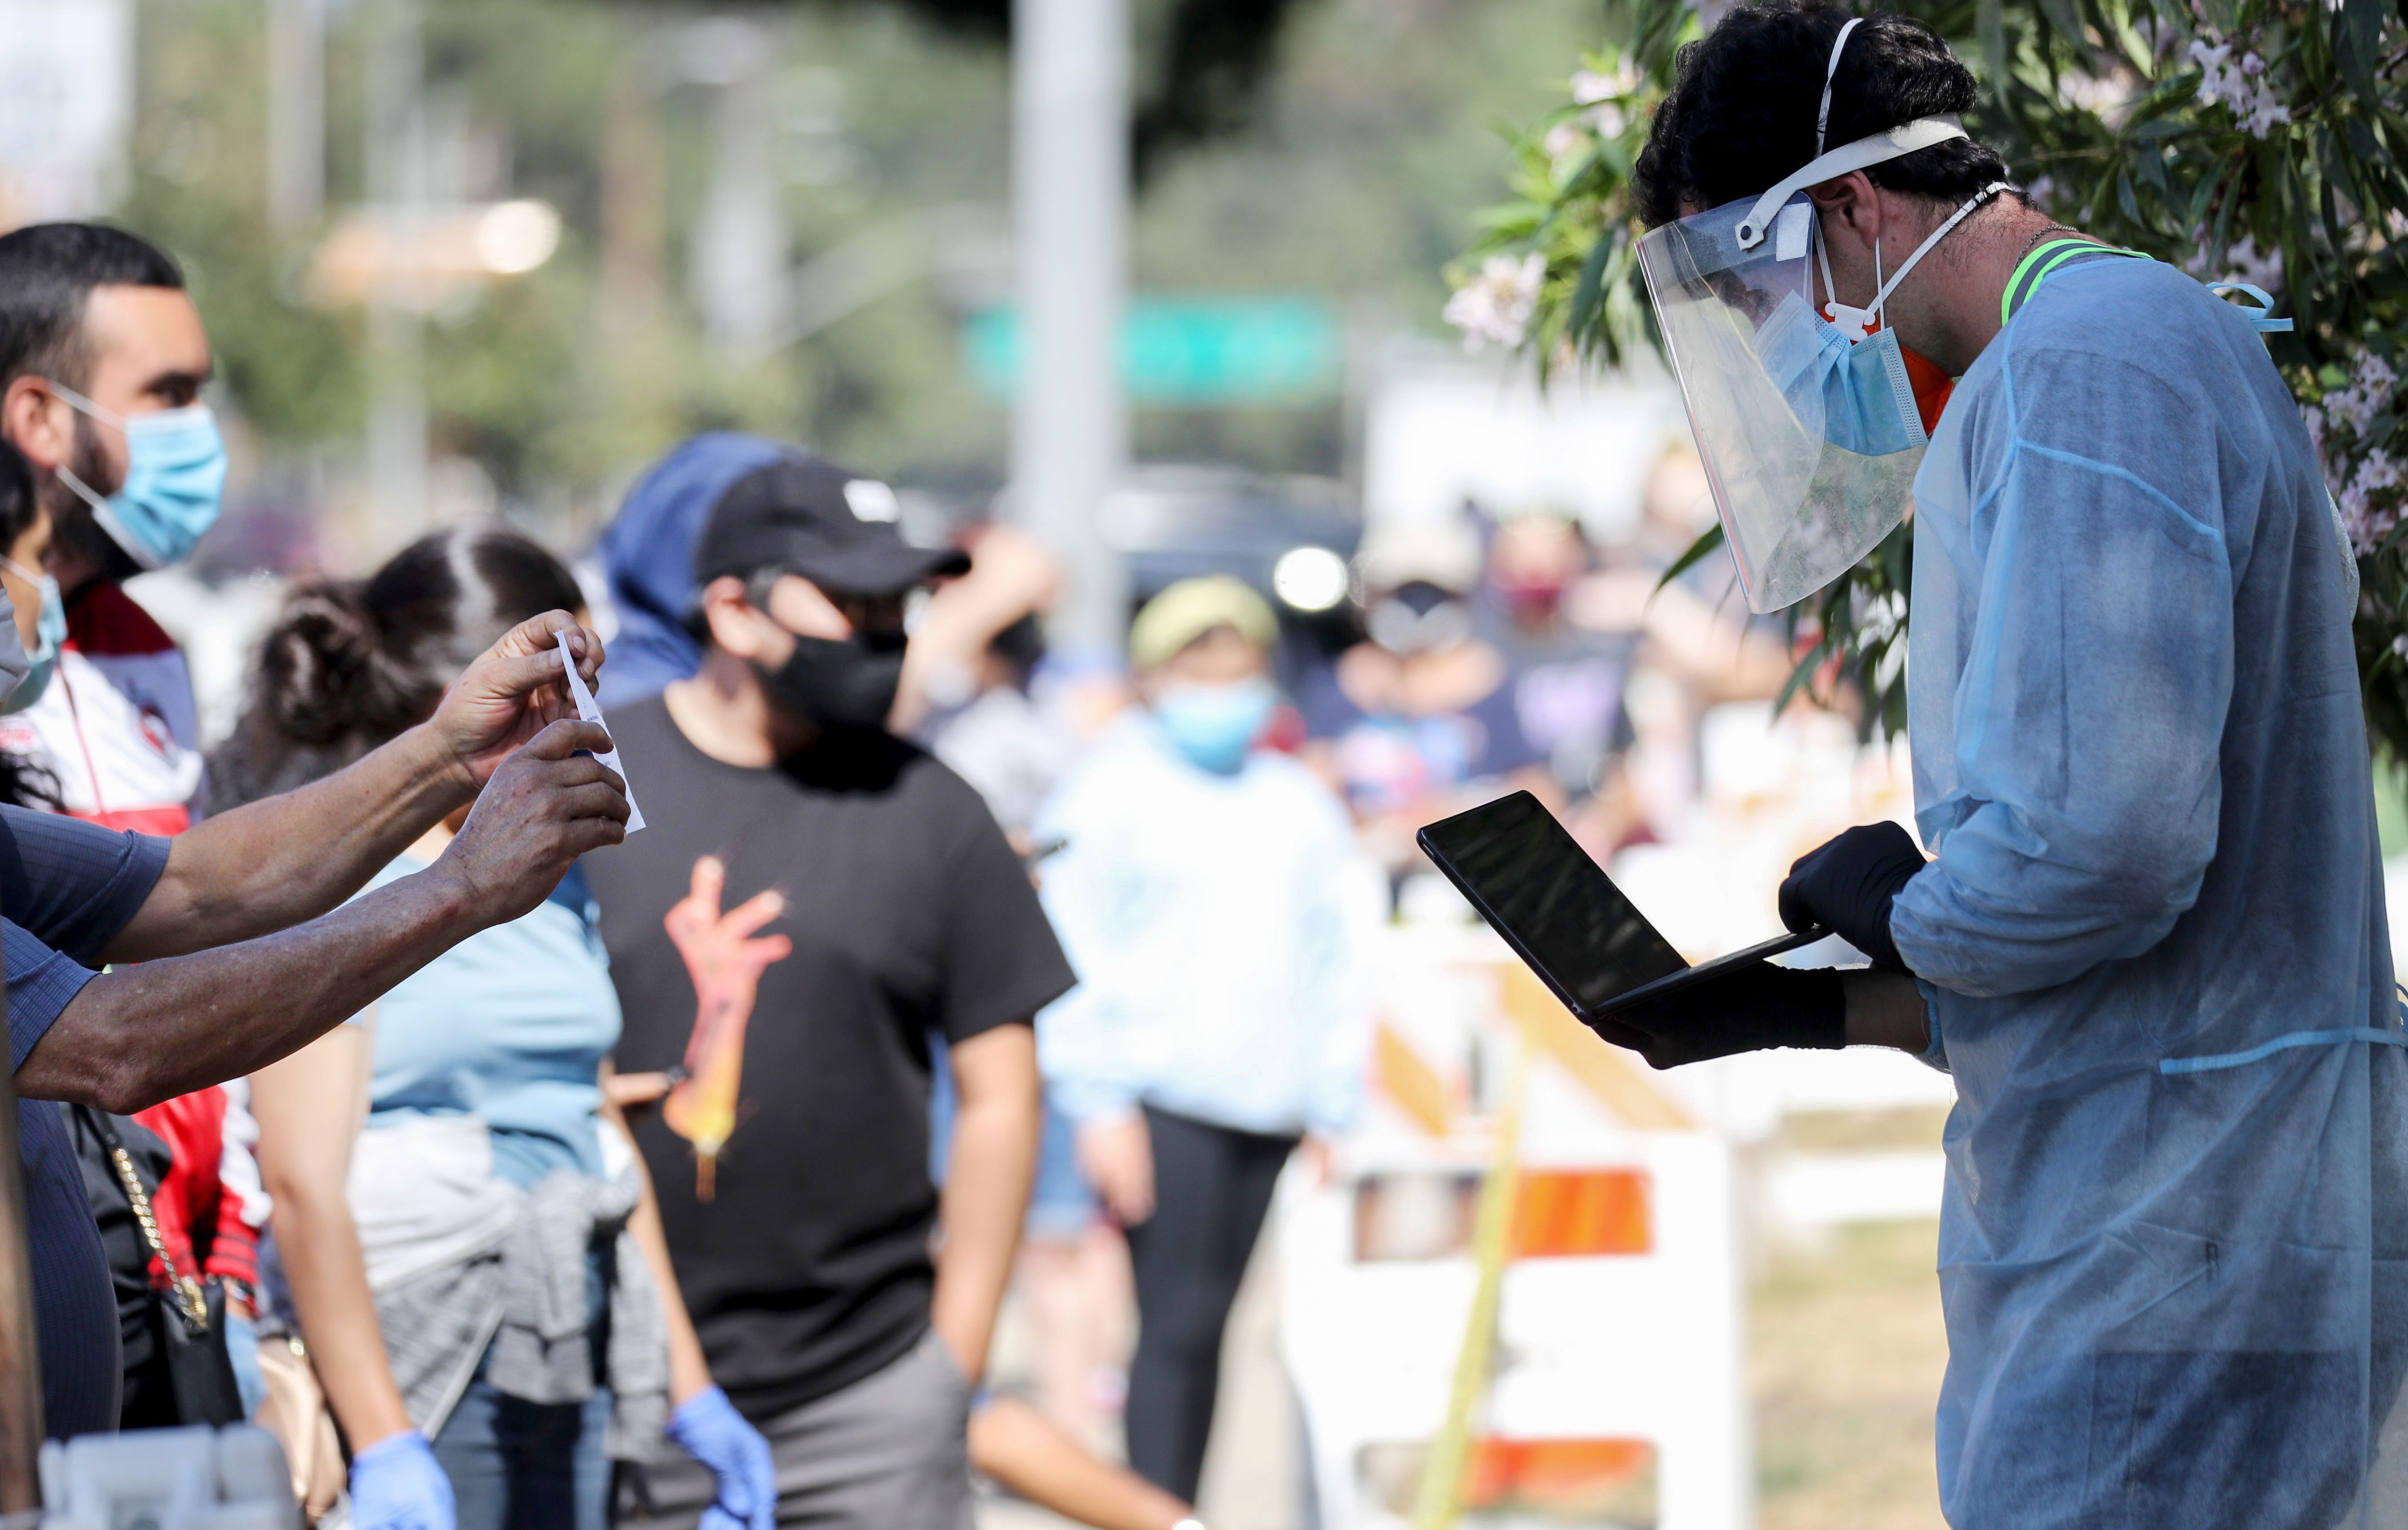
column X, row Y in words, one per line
column 1741, row 114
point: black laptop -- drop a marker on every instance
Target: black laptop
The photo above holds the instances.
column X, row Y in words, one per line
column 1563, row 915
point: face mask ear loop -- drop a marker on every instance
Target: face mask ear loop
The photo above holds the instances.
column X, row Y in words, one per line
column 77, row 402
column 83, row 491
column 1823, row 259
column 1856, row 322
column 1881, row 296
column 1822, row 126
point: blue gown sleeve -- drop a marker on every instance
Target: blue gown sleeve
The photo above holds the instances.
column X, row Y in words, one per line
column 2092, row 702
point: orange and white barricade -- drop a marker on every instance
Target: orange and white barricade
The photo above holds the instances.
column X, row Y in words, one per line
column 1597, row 1374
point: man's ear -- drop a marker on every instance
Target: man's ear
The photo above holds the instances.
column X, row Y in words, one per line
column 36, row 423
column 734, row 624
column 1849, row 203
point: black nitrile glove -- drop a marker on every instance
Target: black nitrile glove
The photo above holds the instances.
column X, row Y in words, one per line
column 1757, row 1007
column 1849, row 884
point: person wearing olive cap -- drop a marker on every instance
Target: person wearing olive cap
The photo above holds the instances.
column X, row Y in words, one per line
column 812, row 898
column 1208, row 889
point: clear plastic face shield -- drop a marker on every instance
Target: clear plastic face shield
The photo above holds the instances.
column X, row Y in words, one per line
column 1807, row 423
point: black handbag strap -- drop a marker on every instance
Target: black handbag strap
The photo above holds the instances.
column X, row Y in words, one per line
column 191, row 1301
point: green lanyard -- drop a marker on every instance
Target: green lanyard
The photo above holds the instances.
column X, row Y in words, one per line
column 2053, row 256
column 2043, row 262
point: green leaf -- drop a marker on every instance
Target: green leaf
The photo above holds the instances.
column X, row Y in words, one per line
column 2358, row 44
column 1711, row 539
column 1992, row 24
column 1591, row 284
column 1801, row 674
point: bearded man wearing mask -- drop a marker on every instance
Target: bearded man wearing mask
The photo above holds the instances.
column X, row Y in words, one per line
column 103, row 357
column 814, row 898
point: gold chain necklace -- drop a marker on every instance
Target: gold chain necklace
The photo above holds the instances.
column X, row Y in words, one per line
column 2045, row 230
column 188, row 1291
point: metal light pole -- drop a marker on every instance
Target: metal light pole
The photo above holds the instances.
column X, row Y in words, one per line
column 296, row 114
column 396, row 152
column 741, row 246
column 1069, row 432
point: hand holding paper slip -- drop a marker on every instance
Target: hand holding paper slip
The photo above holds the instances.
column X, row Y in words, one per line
column 588, row 712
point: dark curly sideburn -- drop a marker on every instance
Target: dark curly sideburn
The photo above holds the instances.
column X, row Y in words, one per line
column 1741, row 114
column 350, row 665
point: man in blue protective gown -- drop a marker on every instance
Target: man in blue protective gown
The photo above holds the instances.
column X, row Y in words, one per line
column 2150, row 943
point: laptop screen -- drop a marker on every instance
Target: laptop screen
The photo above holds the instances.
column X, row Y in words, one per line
column 1533, row 883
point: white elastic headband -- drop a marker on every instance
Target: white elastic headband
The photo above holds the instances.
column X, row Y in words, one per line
column 1830, row 73
column 1878, row 148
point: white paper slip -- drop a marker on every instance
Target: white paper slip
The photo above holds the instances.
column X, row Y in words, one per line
column 588, row 712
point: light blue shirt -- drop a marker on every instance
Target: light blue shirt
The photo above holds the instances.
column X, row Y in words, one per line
column 511, row 1025
column 2153, row 941
column 1210, row 921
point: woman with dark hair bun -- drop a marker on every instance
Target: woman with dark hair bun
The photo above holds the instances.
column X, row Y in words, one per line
column 475, row 1258
column 350, row 665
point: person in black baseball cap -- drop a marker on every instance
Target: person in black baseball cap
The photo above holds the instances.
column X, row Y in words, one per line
column 813, row 897
column 811, row 549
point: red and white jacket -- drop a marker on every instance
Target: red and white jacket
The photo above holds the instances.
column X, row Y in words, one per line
column 117, row 725
column 200, row 1207
column 118, row 729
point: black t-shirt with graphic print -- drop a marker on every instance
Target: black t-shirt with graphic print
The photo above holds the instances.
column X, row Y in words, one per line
column 807, row 1266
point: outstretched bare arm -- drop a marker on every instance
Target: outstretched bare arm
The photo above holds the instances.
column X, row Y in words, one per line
column 166, row 1027
column 274, row 863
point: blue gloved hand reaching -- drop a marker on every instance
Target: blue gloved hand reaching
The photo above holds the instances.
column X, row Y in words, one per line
column 707, row 1428
column 397, row 1484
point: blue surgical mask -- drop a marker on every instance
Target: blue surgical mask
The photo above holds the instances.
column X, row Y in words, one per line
column 1214, row 726
column 50, row 636
column 174, row 479
column 1856, row 395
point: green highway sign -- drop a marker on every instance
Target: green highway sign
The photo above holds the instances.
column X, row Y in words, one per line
column 1189, row 351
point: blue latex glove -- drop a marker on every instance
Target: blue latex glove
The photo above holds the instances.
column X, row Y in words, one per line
column 707, row 1428
column 397, row 1484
